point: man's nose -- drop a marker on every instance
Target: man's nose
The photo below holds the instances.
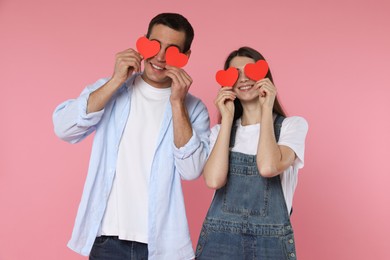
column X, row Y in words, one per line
column 161, row 55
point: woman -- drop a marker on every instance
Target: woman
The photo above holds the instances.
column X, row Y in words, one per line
column 253, row 166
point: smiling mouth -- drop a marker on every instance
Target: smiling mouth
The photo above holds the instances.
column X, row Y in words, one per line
column 247, row 87
column 157, row 67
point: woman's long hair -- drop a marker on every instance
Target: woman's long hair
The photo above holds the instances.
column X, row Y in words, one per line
column 255, row 55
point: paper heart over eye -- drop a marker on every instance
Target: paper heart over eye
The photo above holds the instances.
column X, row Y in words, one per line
column 173, row 57
column 147, row 48
column 227, row 78
column 256, row 71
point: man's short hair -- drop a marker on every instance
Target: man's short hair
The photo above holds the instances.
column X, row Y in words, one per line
column 176, row 22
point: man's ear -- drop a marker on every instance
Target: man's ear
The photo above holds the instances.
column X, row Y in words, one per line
column 188, row 53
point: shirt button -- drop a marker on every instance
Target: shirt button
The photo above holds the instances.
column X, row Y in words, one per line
column 292, row 255
column 291, row 241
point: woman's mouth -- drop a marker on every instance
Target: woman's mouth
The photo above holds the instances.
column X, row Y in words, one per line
column 245, row 87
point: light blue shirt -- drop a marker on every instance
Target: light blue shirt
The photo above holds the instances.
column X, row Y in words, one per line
column 167, row 223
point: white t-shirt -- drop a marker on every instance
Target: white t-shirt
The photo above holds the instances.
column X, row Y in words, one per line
column 292, row 134
column 126, row 215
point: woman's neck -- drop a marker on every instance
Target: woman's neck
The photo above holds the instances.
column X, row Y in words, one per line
column 251, row 113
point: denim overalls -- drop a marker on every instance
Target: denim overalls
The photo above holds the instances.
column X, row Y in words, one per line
column 248, row 217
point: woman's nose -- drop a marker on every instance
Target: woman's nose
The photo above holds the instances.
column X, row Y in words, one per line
column 241, row 76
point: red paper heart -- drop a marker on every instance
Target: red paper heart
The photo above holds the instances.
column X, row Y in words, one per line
column 256, row 71
column 173, row 57
column 147, row 48
column 227, row 78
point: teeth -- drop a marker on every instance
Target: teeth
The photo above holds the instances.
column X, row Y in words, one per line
column 157, row 67
column 245, row 87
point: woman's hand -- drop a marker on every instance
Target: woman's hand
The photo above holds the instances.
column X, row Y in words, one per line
column 267, row 93
column 225, row 102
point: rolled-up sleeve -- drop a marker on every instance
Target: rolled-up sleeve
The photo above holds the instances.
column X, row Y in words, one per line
column 70, row 119
column 191, row 158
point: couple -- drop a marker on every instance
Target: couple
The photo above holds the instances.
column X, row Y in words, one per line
column 150, row 133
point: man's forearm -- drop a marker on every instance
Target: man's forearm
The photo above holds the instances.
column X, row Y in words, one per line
column 99, row 98
column 182, row 129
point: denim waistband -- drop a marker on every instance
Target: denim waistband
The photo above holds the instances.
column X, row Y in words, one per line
column 237, row 157
column 248, row 228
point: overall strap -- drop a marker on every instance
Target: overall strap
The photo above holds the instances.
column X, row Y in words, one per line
column 233, row 135
column 278, row 126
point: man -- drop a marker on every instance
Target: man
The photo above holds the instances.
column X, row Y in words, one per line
column 150, row 134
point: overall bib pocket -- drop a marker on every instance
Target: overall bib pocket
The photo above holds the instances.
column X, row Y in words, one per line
column 240, row 197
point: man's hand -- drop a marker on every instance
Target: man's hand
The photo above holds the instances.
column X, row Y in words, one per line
column 126, row 62
column 181, row 83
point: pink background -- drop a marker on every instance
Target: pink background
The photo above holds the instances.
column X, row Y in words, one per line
column 330, row 61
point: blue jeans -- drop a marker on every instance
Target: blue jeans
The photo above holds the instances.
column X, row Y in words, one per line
column 112, row 248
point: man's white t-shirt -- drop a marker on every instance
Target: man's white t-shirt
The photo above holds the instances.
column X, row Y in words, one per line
column 292, row 134
column 126, row 215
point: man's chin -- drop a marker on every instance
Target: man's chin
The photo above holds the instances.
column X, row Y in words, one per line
column 157, row 81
